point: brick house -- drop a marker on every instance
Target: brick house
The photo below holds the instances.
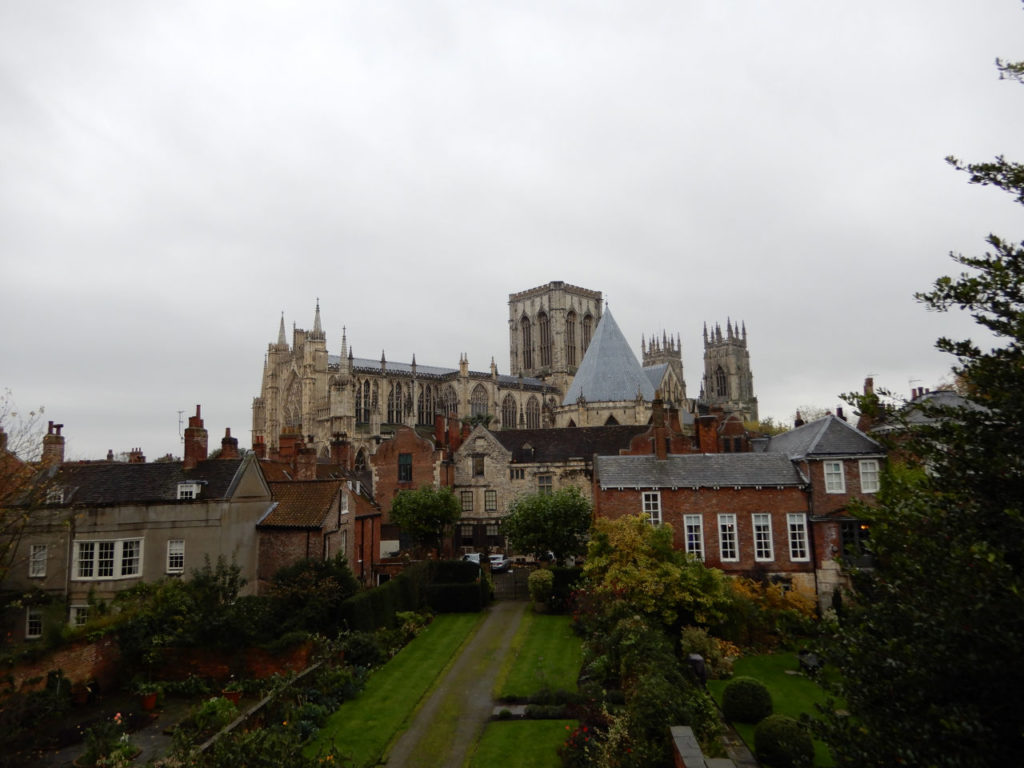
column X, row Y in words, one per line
column 843, row 466
column 744, row 513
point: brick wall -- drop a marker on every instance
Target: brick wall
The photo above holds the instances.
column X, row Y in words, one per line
column 81, row 663
column 709, row 503
column 384, row 463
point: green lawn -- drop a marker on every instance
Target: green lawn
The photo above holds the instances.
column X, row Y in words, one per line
column 545, row 654
column 521, row 744
column 792, row 695
column 363, row 727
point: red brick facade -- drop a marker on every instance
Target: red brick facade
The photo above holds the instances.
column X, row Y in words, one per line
column 403, row 463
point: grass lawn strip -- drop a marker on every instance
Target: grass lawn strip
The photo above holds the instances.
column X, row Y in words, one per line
column 545, row 654
column 363, row 728
column 792, row 695
column 521, row 744
column 452, row 709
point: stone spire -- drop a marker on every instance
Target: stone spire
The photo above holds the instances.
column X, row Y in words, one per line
column 318, row 331
column 282, row 341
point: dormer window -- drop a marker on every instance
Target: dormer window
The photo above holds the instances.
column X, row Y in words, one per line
column 55, row 495
column 188, row 491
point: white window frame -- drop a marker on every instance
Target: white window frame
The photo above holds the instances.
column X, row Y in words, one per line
column 55, row 495
column 835, row 477
column 798, row 543
column 37, row 561
column 652, row 506
column 764, row 549
column 107, row 559
column 693, row 526
column 728, row 539
column 466, row 499
column 175, row 556
column 33, row 623
column 869, row 470
column 343, row 503
column 490, row 500
column 545, row 484
column 79, row 615
column 188, row 491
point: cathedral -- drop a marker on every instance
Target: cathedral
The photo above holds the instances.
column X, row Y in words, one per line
column 569, row 363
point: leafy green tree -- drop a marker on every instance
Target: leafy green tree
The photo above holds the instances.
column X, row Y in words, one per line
column 556, row 522
column 308, row 594
column 425, row 514
column 929, row 654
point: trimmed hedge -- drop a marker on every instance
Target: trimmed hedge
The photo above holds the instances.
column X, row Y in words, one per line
column 781, row 742
column 446, row 586
column 746, row 700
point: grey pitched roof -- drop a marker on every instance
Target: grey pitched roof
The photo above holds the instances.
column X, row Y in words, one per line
column 609, row 371
column 548, row 445
column 365, row 364
column 827, row 436
column 109, row 483
column 698, row 470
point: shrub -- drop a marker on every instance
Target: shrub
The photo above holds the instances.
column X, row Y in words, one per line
column 541, row 584
column 746, row 700
column 363, row 649
column 781, row 742
column 718, row 654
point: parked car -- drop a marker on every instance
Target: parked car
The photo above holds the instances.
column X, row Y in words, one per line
column 472, row 557
column 500, row 564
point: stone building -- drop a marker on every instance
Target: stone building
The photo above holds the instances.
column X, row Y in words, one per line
column 728, row 381
column 558, row 378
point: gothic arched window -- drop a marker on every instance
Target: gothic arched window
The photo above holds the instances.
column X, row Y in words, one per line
column 449, row 401
column 360, row 464
column 527, row 343
column 570, row 338
column 532, row 413
column 478, row 401
column 721, row 386
column 544, row 325
column 588, row 330
column 395, row 404
column 425, row 406
column 293, row 404
column 509, row 412
column 363, row 402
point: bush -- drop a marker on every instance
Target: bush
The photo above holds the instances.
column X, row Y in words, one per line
column 363, row 649
column 781, row 742
column 746, row 700
column 541, row 584
column 718, row 654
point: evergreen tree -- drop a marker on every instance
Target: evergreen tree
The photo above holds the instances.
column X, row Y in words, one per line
column 930, row 652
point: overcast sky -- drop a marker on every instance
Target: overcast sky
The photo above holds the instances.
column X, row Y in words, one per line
column 174, row 176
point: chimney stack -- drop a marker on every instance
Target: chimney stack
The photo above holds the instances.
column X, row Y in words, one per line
column 195, row 441
column 53, row 445
column 305, row 461
column 839, row 413
column 228, row 445
column 135, row 456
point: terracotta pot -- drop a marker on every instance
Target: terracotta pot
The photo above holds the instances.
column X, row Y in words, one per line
column 233, row 696
column 148, row 701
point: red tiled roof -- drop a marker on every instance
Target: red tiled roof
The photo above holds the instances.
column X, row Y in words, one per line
column 301, row 503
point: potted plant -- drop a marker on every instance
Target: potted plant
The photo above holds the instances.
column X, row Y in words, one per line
column 148, row 693
column 233, row 691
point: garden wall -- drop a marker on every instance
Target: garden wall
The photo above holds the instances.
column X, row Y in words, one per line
column 180, row 663
column 80, row 662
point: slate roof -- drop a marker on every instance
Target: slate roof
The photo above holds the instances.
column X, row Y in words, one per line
column 825, row 437
column 554, row 445
column 301, row 503
column 111, row 483
column 609, row 371
column 434, row 371
column 698, row 470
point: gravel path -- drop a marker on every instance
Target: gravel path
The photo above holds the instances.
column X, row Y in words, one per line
column 449, row 723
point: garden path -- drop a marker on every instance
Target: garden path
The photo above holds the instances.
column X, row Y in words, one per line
column 462, row 702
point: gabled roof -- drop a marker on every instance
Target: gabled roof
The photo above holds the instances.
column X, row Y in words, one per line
column 111, row 483
column 529, row 446
column 827, row 436
column 698, row 470
column 609, row 371
column 301, row 503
